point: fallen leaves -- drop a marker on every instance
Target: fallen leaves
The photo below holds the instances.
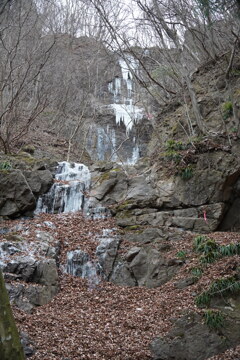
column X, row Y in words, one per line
column 111, row 322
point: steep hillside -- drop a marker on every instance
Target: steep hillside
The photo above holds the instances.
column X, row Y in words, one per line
column 159, row 280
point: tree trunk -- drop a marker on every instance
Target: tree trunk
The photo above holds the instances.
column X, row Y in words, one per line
column 10, row 345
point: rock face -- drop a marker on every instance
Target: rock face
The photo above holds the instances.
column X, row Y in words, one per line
column 191, row 339
column 79, row 263
column 35, row 265
column 139, row 266
column 142, row 195
column 16, row 195
column 19, row 190
column 149, row 267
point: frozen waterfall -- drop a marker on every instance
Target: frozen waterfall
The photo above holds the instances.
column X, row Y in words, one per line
column 67, row 193
column 123, row 100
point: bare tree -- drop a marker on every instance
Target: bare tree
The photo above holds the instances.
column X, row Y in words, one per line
column 23, row 58
column 171, row 39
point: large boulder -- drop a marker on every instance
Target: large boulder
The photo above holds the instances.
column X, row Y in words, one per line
column 149, row 267
column 106, row 253
column 19, row 190
column 39, row 181
column 16, row 196
column 192, row 339
column 23, row 178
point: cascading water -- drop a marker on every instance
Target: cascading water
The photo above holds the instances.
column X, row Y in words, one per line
column 67, row 193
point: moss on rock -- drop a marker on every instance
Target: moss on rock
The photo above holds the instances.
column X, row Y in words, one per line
column 10, row 345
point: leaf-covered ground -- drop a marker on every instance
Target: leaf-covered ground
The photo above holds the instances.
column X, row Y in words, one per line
column 109, row 321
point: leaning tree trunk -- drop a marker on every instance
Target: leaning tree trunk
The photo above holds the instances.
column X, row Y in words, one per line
column 10, row 345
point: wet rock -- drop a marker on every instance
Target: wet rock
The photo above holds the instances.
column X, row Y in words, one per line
column 47, row 245
column 76, row 261
column 39, row 277
column 23, row 266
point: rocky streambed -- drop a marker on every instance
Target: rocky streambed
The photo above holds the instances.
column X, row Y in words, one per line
column 83, row 319
column 84, row 285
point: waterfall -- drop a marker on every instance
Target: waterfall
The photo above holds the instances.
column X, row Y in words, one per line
column 123, row 101
column 68, row 192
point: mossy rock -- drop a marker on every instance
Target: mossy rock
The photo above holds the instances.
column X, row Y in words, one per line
column 14, row 237
column 135, row 228
column 124, row 214
column 30, row 149
column 116, row 169
column 105, row 176
column 126, row 205
column 103, row 166
column 108, row 175
column 10, row 345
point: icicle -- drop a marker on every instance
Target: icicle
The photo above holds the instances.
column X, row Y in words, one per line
column 68, row 194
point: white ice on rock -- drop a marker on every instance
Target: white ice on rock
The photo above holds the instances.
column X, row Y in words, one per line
column 124, row 109
column 79, row 263
column 67, row 193
column 127, row 113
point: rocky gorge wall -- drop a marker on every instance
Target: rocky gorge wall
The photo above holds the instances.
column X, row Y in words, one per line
column 155, row 212
column 182, row 189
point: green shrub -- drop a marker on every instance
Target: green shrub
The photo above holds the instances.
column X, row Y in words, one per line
column 187, row 172
column 214, row 319
column 211, row 251
column 173, row 156
column 175, row 145
column 208, row 248
column 230, row 249
column 197, row 272
column 198, row 240
column 5, row 165
column 227, row 109
column 224, row 286
column 181, row 254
